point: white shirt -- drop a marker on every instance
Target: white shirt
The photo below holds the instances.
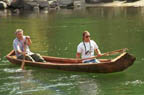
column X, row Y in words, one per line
column 85, row 47
column 19, row 45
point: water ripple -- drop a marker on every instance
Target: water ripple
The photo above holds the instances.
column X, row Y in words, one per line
column 61, row 84
column 11, row 84
column 18, row 91
column 3, row 64
column 15, row 70
column 4, row 61
column 14, row 77
column 134, row 83
column 12, row 92
column 9, row 70
column 142, row 59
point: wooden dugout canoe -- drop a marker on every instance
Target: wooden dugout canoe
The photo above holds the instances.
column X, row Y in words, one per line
column 120, row 63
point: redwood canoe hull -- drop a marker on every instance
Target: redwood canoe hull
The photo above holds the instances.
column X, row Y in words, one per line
column 117, row 64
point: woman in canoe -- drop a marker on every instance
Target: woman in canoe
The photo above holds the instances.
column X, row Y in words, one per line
column 21, row 47
column 87, row 48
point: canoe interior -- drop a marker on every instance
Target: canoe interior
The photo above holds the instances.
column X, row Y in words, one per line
column 59, row 59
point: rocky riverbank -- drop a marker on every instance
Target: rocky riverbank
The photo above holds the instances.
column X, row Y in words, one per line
column 28, row 4
column 118, row 4
column 46, row 4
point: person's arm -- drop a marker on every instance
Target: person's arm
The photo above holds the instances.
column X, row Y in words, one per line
column 79, row 51
column 96, row 48
column 28, row 40
column 78, row 55
column 98, row 52
column 21, row 52
column 17, row 48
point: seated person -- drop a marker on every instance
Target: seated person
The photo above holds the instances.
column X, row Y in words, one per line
column 21, row 47
column 87, row 48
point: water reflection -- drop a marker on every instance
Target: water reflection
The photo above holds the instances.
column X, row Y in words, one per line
column 115, row 11
column 66, row 83
column 99, row 11
column 5, row 13
column 27, row 84
column 89, row 87
column 22, row 13
column 20, row 82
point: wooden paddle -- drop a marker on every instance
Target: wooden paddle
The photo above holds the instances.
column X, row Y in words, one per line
column 107, row 53
column 23, row 61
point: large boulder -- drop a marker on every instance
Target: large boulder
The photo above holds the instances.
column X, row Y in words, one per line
column 20, row 4
column 29, row 4
column 66, row 3
column 131, row 0
column 53, row 3
column 98, row 1
column 42, row 4
column 3, row 5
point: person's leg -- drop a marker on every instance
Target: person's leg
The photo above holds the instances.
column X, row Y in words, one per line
column 27, row 57
column 92, row 61
column 37, row 57
column 95, row 61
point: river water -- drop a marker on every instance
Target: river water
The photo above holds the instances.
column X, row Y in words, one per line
column 57, row 33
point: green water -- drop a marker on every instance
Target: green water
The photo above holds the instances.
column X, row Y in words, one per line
column 57, row 33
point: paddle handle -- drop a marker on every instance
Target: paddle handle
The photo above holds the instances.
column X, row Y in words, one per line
column 107, row 53
column 115, row 52
column 23, row 61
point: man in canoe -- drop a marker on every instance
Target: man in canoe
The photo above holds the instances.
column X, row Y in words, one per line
column 86, row 49
column 21, row 47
